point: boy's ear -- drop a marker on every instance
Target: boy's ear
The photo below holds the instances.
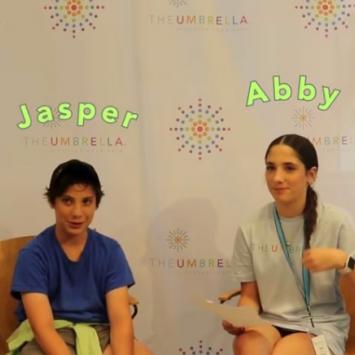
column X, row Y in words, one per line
column 51, row 204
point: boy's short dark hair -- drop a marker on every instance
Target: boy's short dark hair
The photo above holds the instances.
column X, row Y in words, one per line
column 69, row 173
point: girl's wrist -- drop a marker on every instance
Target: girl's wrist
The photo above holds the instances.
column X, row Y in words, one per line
column 342, row 260
column 348, row 265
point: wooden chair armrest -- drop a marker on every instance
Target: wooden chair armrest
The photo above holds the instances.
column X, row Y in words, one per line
column 133, row 302
column 227, row 295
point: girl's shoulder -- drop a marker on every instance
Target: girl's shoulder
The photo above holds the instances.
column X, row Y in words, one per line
column 325, row 208
column 262, row 216
column 333, row 213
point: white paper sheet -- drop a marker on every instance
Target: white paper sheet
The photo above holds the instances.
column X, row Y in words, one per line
column 242, row 316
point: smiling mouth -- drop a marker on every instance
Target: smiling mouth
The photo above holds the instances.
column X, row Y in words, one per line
column 280, row 189
column 75, row 224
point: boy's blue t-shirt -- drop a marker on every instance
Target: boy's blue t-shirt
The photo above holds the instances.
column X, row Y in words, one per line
column 76, row 290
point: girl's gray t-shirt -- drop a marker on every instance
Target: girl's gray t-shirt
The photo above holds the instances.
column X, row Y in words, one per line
column 258, row 256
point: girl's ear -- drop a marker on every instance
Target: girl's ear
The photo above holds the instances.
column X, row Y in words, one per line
column 312, row 175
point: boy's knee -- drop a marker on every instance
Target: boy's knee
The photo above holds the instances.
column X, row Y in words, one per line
column 31, row 348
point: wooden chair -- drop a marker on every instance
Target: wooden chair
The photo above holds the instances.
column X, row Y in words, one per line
column 9, row 250
column 347, row 285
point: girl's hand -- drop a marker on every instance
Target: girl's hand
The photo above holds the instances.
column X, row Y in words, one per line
column 231, row 329
column 321, row 259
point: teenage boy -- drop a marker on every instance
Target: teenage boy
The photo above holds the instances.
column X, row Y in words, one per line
column 72, row 282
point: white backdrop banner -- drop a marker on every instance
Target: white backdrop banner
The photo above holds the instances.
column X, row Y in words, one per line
column 174, row 103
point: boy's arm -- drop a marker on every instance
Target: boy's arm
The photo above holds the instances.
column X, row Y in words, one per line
column 40, row 316
column 121, row 325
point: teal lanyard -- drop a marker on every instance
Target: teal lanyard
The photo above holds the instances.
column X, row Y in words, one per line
column 305, row 287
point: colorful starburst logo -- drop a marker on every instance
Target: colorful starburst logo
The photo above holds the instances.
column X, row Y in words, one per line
column 200, row 349
column 177, row 3
column 199, row 129
column 326, row 15
column 177, row 239
column 302, row 118
column 74, row 16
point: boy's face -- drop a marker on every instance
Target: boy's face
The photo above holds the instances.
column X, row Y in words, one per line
column 74, row 211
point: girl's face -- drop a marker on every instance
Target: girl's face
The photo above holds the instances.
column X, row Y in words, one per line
column 287, row 178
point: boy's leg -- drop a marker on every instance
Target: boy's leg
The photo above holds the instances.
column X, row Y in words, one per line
column 103, row 332
column 139, row 349
column 32, row 347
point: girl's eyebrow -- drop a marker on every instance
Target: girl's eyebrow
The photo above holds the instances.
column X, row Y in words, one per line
column 290, row 163
column 283, row 162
